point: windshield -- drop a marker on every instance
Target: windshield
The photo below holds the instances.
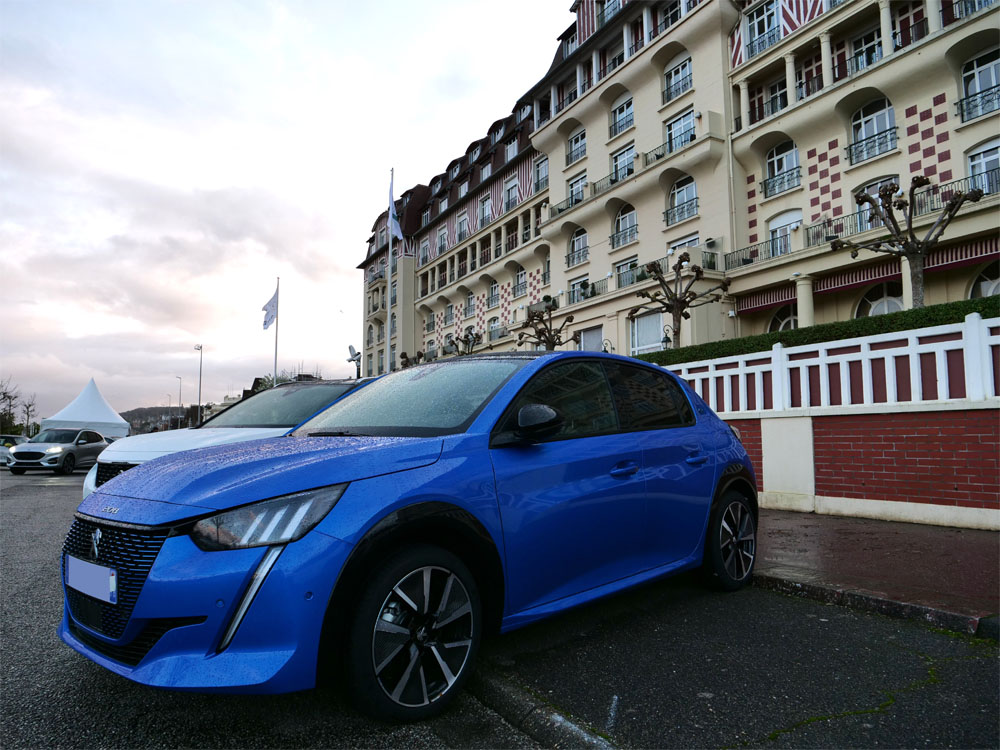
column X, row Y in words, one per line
column 54, row 436
column 433, row 399
column 284, row 406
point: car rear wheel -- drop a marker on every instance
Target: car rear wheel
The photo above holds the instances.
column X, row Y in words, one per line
column 68, row 465
column 731, row 546
column 414, row 634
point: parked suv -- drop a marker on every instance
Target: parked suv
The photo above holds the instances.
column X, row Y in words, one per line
column 394, row 529
column 60, row 450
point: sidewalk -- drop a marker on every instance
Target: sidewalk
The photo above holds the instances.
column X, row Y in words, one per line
column 948, row 577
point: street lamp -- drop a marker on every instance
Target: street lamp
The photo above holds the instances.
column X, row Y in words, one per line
column 201, row 355
column 180, row 403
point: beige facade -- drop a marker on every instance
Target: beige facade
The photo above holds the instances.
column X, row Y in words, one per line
column 740, row 137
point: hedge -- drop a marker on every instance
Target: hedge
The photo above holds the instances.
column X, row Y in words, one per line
column 935, row 315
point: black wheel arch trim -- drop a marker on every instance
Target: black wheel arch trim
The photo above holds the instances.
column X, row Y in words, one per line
column 735, row 474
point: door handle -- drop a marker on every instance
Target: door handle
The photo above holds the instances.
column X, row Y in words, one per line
column 696, row 460
column 626, row 470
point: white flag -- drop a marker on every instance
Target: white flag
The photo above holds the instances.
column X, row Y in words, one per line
column 270, row 310
column 393, row 222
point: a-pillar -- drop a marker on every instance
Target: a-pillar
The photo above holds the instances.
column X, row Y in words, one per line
column 744, row 102
column 826, row 58
column 790, row 79
column 885, row 24
column 933, row 15
column 804, row 300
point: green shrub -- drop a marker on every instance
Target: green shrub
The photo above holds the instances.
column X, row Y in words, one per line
column 924, row 317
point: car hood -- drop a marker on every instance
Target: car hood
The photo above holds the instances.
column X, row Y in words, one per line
column 140, row 448
column 229, row 475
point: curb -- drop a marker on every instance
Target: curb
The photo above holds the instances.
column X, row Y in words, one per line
column 530, row 715
column 866, row 601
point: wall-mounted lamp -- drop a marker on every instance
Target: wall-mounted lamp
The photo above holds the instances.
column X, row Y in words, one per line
column 697, row 115
column 710, row 242
column 731, row 313
column 607, row 347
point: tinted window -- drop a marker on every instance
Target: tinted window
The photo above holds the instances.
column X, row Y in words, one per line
column 284, row 406
column 646, row 399
column 578, row 391
column 54, row 436
column 93, row 437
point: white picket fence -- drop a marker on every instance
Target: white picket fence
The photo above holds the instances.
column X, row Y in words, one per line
column 924, row 365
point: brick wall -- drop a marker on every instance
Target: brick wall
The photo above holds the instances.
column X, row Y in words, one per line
column 750, row 432
column 943, row 458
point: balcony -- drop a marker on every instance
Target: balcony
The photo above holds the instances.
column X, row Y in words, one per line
column 620, row 125
column 606, row 183
column 580, row 293
column 546, row 276
column 492, row 301
column 511, row 243
column 463, row 234
column 979, row 104
column 626, row 277
column 869, row 148
column 497, row 333
column 576, row 257
column 566, row 205
column 680, row 212
column 377, row 276
column 612, row 63
column 449, row 317
column 761, row 43
column 566, row 101
column 509, row 205
column 676, row 89
column 520, row 289
column 639, row 43
column 669, row 19
column 469, row 310
column 485, row 218
column 782, row 181
column 807, row 88
column 913, row 33
column 429, row 326
column 857, row 63
column 484, row 256
column 934, row 197
column 463, row 268
column 526, row 235
column 769, row 107
column 541, row 183
column 960, row 9
column 746, row 256
column 442, row 280
column 675, row 143
column 610, row 9
column 576, row 153
column 624, row 237
column 442, row 247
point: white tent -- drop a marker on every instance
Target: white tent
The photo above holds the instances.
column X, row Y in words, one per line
column 89, row 410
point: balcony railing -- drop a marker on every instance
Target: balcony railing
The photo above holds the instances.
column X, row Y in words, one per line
column 612, row 63
column 511, row 242
column 377, row 276
column 610, row 9
column 442, row 246
column 429, row 326
column 492, row 301
column 449, row 317
column 541, row 183
column 451, row 276
column 520, row 289
column 576, row 153
column 674, row 90
column 669, row 19
column 469, row 310
column 769, row 107
column 566, row 101
column 576, row 257
column 625, row 236
column 497, row 333
column 782, row 181
column 578, row 294
column 962, row 9
column 681, row 211
column 676, row 143
column 979, row 104
column 606, row 183
column 463, row 268
column 869, row 148
column 484, row 256
column 857, row 63
column 639, row 42
column 906, row 36
column 526, row 234
column 761, row 43
column 546, row 276
column 809, row 87
column 509, row 205
column 484, row 219
column 625, row 277
column 442, row 280
column 761, row 251
column 462, row 235
column 842, row 226
column 566, row 205
column 620, row 125
column 934, row 197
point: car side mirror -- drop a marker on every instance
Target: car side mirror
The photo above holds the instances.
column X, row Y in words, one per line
column 81, row 441
column 534, row 422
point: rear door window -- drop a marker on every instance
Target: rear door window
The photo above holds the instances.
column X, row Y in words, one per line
column 647, row 399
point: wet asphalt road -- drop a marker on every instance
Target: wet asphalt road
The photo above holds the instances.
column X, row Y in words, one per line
column 668, row 665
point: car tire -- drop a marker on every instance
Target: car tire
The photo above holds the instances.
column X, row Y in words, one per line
column 68, row 465
column 414, row 635
column 17, row 472
column 731, row 543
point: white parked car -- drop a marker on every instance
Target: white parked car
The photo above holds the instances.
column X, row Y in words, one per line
column 265, row 414
column 6, row 443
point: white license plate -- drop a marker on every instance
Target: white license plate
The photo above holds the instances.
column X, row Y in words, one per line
column 92, row 580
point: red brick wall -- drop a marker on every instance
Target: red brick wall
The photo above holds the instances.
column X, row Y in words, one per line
column 750, row 432
column 944, row 458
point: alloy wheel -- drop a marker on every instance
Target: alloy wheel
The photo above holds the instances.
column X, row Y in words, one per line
column 737, row 540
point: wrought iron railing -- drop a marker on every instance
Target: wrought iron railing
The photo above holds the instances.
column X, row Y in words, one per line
column 566, row 101
column 960, row 9
column 675, row 143
column 520, row 289
column 639, row 42
column 546, row 277
column 579, row 294
column 933, row 197
column 576, row 257
column 761, row 43
column 980, row 104
column 769, row 107
column 857, row 63
column 782, row 181
column 449, row 317
column 566, row 205
column 842, row 226
column 429, row 326
column 869, row 148
column 906, row 36
column 610, row 66
column 469, row 310
column 809, row 87
column 511, row 242
column 492, row 301
column 674, row 90
column 497, row 333
column 625, row 277
column 625, row 236
column 576, row 153
column 680, row 212
column 509, row 205
column 771, row 248
column 463, row 268
column 605, row 183
column 609, row 10
column 462, row 235
column 541, row 183
column 668, row 20
column 621, row 125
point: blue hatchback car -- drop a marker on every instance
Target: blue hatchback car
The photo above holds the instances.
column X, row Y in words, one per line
column 390, row 532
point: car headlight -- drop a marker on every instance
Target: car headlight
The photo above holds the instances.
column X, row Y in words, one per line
column 276, row 521
column 54, row 449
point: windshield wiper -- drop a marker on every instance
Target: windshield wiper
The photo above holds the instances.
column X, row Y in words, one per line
column 337, row 433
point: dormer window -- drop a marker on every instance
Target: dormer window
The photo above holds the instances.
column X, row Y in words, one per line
column 435, row 186
column 453, row 172
column 476, row 152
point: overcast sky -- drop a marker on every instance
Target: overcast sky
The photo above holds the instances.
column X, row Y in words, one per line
column 162, row 162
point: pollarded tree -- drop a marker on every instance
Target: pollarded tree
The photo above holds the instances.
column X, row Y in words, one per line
column 543, row 332
column 902, row 241
column 406, row 361
column 676, row 295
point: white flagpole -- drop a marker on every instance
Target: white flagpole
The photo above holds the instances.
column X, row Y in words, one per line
column 277, row 290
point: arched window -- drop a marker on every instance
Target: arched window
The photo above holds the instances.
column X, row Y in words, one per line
column 682, row 201
column 579, row 250
column 520, row 282
column 987, row 283
column 783, row 172
column 371, row 335
column 780, row 230
column 576, row 146
column 494, row 328
column 873, row 128
column 626, row 227
column 494, row 296
column 881, row 299
column 470, row 304
column 980, row 78
column 621, row 115
column 984, row 166
column 785, row 319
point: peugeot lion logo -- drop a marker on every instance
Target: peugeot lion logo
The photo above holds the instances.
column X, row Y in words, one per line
column 95, row 539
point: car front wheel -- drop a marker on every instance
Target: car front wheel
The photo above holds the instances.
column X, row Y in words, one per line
column 414, row 634
column 68, row 465
column 731, row 546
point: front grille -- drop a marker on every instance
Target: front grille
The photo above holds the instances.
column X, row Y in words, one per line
column 129, row 550
column 28, row 456
column 108, row 471
column 133, row 653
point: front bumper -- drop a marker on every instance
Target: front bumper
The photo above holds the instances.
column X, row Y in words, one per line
column 189, row 600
